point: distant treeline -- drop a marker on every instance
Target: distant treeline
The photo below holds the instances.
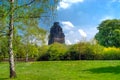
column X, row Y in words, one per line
column 56, row 51
column 79, row 51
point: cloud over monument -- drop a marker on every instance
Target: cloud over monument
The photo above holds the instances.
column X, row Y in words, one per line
column 72, row 33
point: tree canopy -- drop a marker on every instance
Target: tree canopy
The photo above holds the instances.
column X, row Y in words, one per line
column 109, row 33
column 19, row 15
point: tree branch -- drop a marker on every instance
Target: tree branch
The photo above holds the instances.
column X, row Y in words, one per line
column 27, row 4
column 18, row 8
column 32, row 16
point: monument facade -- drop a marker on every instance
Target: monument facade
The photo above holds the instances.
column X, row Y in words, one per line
column 56, row 34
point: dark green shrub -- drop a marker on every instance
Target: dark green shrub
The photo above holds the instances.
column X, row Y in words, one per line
column 1, row 58
column 43, row 55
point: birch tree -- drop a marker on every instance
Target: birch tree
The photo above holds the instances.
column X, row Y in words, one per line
column 14, row 13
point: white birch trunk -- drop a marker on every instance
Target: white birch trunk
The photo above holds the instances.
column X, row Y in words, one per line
column 10, row 42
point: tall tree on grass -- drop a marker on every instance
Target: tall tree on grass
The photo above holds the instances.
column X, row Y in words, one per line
column 17, row 12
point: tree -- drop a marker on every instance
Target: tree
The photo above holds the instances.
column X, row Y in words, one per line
column 17, row 12
column 34, row 36
column 109, row 33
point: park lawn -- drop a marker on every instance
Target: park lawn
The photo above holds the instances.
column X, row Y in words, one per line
column 63, row 70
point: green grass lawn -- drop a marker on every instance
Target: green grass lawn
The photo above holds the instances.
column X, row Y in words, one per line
column 63, row 70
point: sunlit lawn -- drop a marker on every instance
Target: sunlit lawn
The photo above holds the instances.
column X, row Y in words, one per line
column 63, row 70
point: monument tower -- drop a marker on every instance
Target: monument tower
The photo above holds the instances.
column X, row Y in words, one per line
column 56, row 34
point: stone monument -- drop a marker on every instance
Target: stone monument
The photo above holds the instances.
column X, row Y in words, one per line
column 56, row 34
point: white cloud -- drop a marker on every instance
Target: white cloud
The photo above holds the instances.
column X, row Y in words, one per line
column 64, row 4
column 68, row 42
column 91, row 32
column 72, row 33
column 67, row 25
column 82, row 33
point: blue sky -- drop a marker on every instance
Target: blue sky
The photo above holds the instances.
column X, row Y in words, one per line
column 80, row 18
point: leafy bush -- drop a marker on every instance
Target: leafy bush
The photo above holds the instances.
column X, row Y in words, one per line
column 57, row 51
column 85, row 51
column 97, row 51
column 43, row 55
column 111, row 53
column 79, row 51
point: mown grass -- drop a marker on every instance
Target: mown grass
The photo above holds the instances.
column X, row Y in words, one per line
column 63, row 70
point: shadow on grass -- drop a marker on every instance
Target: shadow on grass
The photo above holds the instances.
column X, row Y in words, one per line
column 4, row 78
column 109, row 69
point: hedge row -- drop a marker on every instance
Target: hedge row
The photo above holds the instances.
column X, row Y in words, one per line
column 80, row 51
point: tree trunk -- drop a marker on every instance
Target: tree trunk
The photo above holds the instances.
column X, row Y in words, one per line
column 10, row 42
column 26, row 57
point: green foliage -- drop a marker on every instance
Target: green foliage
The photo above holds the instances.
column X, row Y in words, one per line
column 86, row 51
column 27, row 15
column 109, row 33
column 32, row 50
column 97, row 51
column 57, row 51
column 11, row 12
column 111, row 53
column 22, row 50
column 3, row 46
column 43, row 55
column 19, row 47
column 80, row 51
